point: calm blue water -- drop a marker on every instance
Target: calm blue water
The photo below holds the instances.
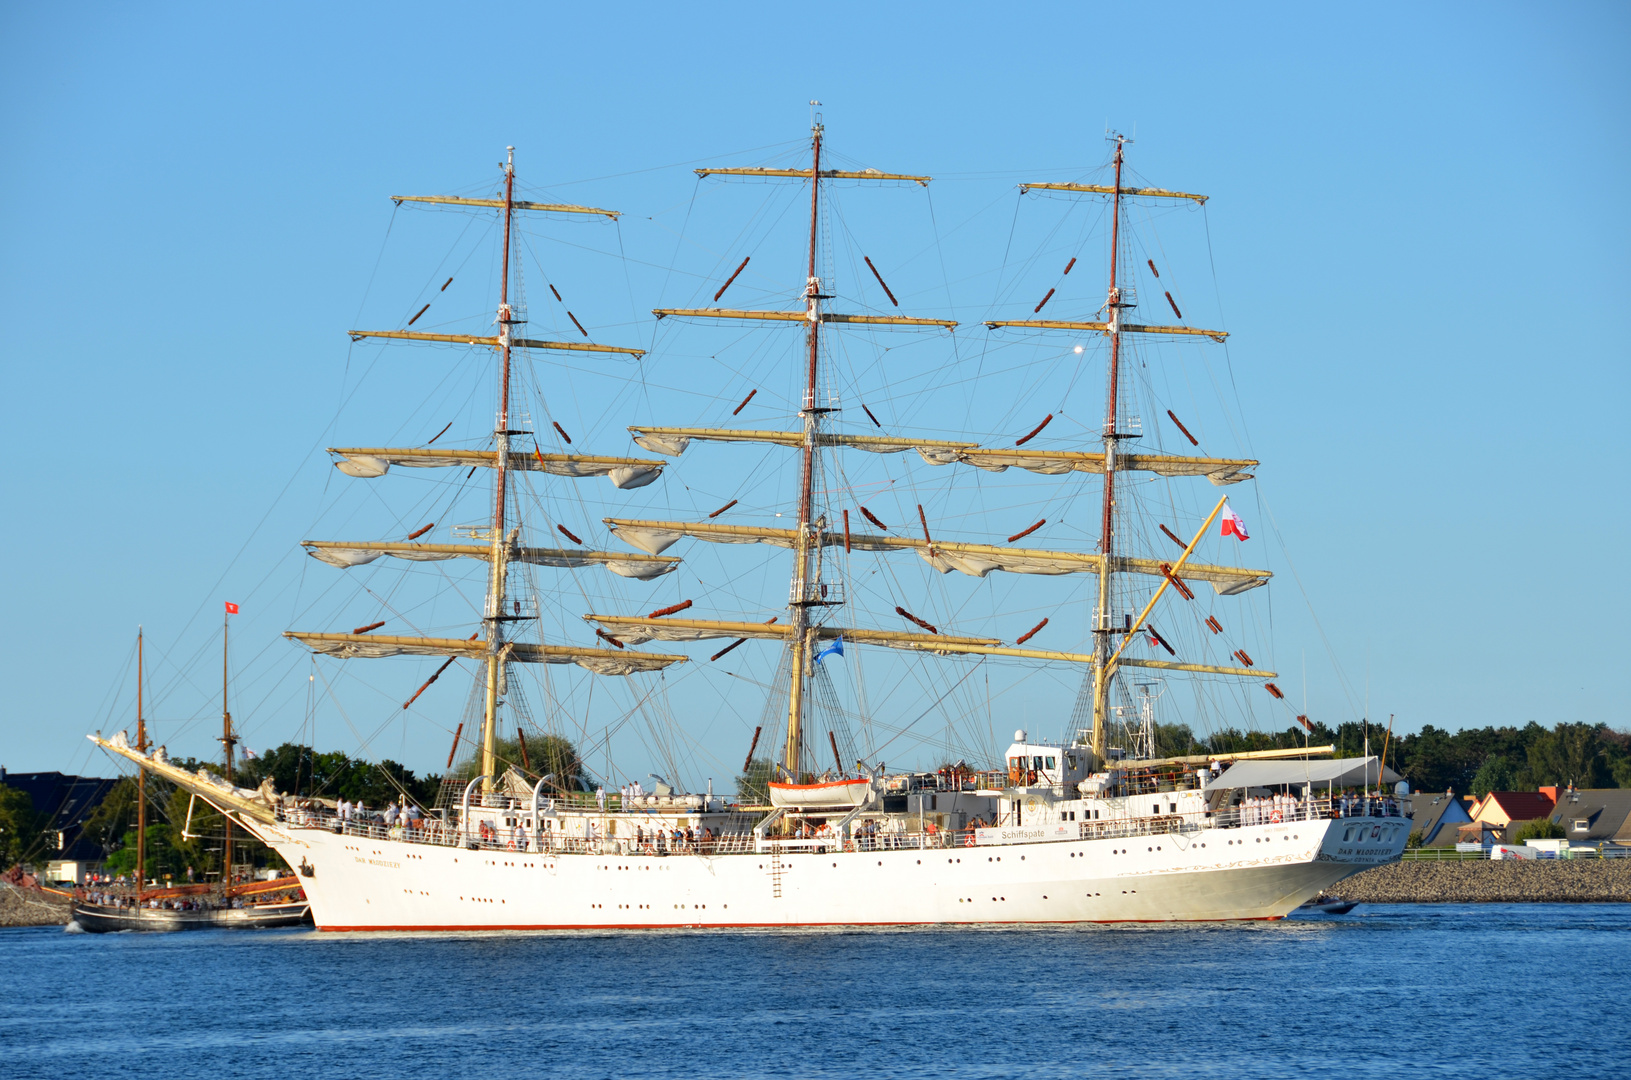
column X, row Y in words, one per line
column 1465, row 991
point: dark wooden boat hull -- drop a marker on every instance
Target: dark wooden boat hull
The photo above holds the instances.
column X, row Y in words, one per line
column 102, row 919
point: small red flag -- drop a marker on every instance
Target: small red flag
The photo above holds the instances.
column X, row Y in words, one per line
column 232, row 609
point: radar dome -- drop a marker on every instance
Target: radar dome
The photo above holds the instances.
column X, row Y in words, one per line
column 1019, row 736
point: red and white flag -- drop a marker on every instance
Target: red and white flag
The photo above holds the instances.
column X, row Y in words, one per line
column 232, row 609
column 1232, row 525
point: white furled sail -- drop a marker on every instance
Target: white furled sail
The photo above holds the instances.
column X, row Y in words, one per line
column 371, row 647
column 371, row 462
column 636, row 630
column 673, row 441
column 976, row 560
column 346, row 555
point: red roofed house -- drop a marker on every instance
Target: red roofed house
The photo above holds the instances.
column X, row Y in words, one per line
column 1499, row 809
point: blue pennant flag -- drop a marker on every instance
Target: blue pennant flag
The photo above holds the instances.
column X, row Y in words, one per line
column 836, row 647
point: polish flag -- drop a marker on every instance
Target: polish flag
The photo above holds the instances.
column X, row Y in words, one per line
column 1232, row 525
column 232, row 609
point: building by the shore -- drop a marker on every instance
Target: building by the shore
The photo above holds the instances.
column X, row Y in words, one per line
column 1437, row 817
column 1597, row 816
column 66, row 803
column 1494, row 817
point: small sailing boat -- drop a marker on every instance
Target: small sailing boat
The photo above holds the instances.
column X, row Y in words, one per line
column 187, row 907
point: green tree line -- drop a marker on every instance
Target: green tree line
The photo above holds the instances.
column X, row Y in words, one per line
column 1472, row 761
column 293, row 769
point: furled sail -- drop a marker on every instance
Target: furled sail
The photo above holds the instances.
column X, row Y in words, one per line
column 1126, row 328
column 801, row 317
column 637, row 629
column 346, row 555
column 825, row 174
column 369, row 462
column 479, row 339
column 370, row 646
column 1211, row 669
column 674, row 440
column 1102, row 189
column 498, row 204
column 976, row 560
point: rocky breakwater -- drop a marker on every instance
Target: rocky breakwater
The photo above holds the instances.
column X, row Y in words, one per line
column 1566, row 881
column 21, row 905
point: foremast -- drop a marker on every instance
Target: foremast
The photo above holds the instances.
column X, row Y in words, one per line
column 493, row 646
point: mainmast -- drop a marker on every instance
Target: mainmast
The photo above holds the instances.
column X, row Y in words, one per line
column 228, row 740
column 500, row 546
column 1102, row 615
column 806, row 588
column 141, row 774
column 496, row 585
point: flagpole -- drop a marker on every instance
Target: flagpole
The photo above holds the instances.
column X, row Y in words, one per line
column 1110, row 664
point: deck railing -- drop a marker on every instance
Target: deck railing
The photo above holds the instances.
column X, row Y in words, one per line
column 739, row 839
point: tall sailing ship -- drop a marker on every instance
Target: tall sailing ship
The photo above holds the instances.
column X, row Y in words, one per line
column 1075, row 830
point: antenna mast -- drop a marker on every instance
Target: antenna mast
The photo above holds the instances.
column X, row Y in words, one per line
column 496, row 588
column 1102, row 630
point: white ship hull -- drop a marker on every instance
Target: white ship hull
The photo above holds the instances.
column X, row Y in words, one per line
column 1255, row 872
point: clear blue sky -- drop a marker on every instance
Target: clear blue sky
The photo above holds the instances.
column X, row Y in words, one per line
column 1418, row 228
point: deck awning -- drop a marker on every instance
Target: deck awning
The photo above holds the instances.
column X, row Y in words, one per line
column 1334, row 772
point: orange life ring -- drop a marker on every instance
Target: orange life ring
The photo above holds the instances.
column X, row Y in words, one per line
column 1274, row 816
column 969, row 841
